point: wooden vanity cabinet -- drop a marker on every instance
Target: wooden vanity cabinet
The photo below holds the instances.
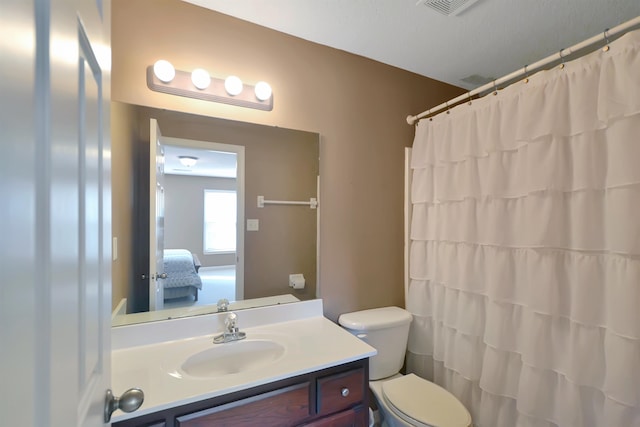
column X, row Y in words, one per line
column 333, row 397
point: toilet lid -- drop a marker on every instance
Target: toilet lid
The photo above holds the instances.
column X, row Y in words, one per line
column 419, row 401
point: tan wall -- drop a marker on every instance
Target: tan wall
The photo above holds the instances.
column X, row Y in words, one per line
column 358, row 106
column 124, row 131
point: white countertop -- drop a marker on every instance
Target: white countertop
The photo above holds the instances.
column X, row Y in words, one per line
column 146, row 356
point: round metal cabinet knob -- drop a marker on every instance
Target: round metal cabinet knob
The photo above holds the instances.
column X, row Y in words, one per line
column 344, row 392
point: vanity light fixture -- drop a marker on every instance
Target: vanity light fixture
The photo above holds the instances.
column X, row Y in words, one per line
column 188, row 161
column 163, row 77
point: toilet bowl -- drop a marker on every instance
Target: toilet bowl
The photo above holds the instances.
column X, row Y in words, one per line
column 403, row 400
column 413, row 401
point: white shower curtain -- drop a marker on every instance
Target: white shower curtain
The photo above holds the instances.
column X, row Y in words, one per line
column 525, row 247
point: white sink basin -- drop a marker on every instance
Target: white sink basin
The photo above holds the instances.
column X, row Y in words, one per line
column 232, row 358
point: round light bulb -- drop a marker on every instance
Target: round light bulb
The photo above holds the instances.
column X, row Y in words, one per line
column 263, row 91
column 200, row 78
column 164, row 71
column 233, row 85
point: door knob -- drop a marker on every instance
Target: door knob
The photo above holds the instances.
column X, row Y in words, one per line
column 162, row 276
column 129, row 401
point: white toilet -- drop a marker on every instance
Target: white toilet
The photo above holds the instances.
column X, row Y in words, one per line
column 402, row 400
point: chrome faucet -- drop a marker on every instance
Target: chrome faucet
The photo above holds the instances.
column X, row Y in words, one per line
column 231, row 331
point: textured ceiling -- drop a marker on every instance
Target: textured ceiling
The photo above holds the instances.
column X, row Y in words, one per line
column 490, row 39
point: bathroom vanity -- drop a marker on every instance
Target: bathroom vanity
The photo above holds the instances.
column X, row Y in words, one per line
column 329, row 397
column 295, row 368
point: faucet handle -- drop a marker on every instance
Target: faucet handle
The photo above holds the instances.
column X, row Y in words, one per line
column 223, row 304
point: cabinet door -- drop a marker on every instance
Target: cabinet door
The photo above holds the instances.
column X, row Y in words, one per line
column 283, row 407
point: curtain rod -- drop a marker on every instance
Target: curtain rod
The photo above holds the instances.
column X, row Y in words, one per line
column 560, row 56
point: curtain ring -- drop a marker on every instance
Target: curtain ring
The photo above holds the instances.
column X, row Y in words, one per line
column 447, row 104
column 561, row 59
column 495, row 88
column 606, row 39
column 469, row 94
column 526, row 74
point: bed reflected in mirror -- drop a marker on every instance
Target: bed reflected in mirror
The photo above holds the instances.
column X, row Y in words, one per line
column 182, row 278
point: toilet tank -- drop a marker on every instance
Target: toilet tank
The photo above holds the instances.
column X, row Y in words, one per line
column 387, row 330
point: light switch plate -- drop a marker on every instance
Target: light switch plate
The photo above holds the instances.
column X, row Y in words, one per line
column 114, row 249
column 253, row 224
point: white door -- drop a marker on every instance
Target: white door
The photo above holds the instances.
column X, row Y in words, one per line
column 156, row 218
column 55, row 247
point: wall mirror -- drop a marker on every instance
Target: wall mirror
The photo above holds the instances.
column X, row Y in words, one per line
column 214, row 171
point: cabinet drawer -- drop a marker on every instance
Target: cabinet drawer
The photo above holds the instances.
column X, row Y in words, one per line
column 340, row 391
column 282, row 407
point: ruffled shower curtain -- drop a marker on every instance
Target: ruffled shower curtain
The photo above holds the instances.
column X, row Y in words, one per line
column 525, row 247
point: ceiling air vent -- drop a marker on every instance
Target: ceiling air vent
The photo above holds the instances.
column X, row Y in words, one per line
column 448, row 7
column 477, row 80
